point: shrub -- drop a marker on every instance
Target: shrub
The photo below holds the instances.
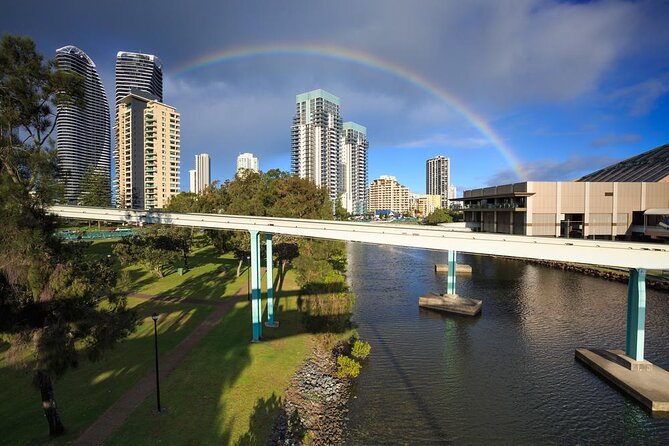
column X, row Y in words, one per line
column 361, row 349
column 347, row 367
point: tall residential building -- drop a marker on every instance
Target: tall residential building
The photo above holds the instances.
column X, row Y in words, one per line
column 385, row 193
column 438, row 177
column 247, row 161
column 84, row 135
column 140, row 71
column 354, row 147
column 202, row 171
column 147, row 152
column 316, row 140
column 192, row 176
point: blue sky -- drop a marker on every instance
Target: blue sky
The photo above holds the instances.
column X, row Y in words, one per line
column 568, row 86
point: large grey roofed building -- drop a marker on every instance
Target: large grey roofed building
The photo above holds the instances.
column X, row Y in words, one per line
column 651, row 166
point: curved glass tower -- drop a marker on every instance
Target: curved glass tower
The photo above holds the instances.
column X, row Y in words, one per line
column 138, row 71
column 84, row 136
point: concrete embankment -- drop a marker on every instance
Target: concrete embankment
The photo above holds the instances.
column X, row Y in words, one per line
column 653, row 282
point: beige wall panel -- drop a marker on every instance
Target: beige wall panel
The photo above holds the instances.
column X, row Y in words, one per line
column 600, row 224
column 629, row 197
column 543, row 224
column 544, row 198
column 599, row 201
column 657, row 195
column 573, row 198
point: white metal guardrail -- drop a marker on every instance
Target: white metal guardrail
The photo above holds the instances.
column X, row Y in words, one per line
column 594, row 252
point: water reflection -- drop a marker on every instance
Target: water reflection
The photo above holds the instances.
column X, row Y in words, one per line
column 506, row 376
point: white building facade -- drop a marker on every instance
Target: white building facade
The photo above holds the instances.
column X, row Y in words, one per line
column 316, row 136
column 354, row 146
column 246, row 161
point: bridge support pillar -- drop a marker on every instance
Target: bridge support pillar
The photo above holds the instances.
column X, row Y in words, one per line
column 256, row 305
column 452, row 265
column 636, row 314
column 270, row 284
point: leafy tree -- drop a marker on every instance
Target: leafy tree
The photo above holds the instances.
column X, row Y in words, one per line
column 95, row 190
column 439, row 215
column 340, row 211
column 151, row 250
column 55, row 304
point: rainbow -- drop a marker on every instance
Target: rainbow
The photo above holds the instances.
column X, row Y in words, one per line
column 367, row 60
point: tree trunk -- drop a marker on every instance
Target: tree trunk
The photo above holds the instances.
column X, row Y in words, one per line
column 239, row 267
column 185, row 260
column 56, row 427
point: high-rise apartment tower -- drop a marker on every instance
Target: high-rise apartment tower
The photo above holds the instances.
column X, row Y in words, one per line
column 84, row 135
column 139, row 71
column 202, row 173
column 316, row 139
column 247, row 161
column 147, row 152
column 354, row 147
column 437, row 178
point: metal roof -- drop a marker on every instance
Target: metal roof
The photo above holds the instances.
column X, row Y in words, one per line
column 651, row 166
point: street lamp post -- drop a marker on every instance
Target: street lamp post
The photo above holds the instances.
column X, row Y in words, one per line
column 154, row 316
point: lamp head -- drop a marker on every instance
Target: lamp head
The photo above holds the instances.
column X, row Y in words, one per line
column 154, row 316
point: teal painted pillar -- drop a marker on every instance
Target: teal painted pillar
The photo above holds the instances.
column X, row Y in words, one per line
column 636, row 314
column 256, row 313
column 450, row 287
column 270, row 283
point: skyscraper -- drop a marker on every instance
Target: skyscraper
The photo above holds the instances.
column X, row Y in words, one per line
column 437, row 178
column 354, row 147
column 140, row 71
column 316, row 139
column 192, row 176
column 202, row 172
column 84, row 135
column 147, row 151
column 247, row 161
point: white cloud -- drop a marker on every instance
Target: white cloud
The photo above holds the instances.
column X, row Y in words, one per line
column 641, row 98
column 553, row 170
column 615, row 140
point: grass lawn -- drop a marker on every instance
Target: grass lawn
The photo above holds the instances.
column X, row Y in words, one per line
column 85, row 392
column 226, row 390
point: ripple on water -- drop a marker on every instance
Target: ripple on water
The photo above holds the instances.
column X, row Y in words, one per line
column 508, row 376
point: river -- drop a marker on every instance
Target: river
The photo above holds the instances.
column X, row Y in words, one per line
column 507, row 376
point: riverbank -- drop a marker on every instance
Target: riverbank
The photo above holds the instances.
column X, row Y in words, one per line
column 654, row 282
column 314, row 409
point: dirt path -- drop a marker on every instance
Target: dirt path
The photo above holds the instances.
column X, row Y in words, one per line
column 114, row 417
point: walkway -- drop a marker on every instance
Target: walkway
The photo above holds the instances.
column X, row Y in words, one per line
column 114, row 417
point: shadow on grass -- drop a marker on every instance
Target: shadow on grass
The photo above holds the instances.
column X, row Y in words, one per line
column 265, row 412
column 85, row 392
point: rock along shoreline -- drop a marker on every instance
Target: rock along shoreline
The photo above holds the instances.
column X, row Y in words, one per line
column 315, row 406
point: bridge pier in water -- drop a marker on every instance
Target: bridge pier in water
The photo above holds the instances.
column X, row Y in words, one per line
column 628, row 370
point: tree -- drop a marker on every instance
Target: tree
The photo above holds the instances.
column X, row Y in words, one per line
column 54, row 303
column 95, row 189
column 439, row 215
column 151, row 250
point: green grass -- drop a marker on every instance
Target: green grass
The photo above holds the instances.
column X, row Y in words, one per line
column 211, row 276
column 226, row 390
column 85, row 392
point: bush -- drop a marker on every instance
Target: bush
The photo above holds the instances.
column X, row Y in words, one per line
column 347, row 367
column 361, row 349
